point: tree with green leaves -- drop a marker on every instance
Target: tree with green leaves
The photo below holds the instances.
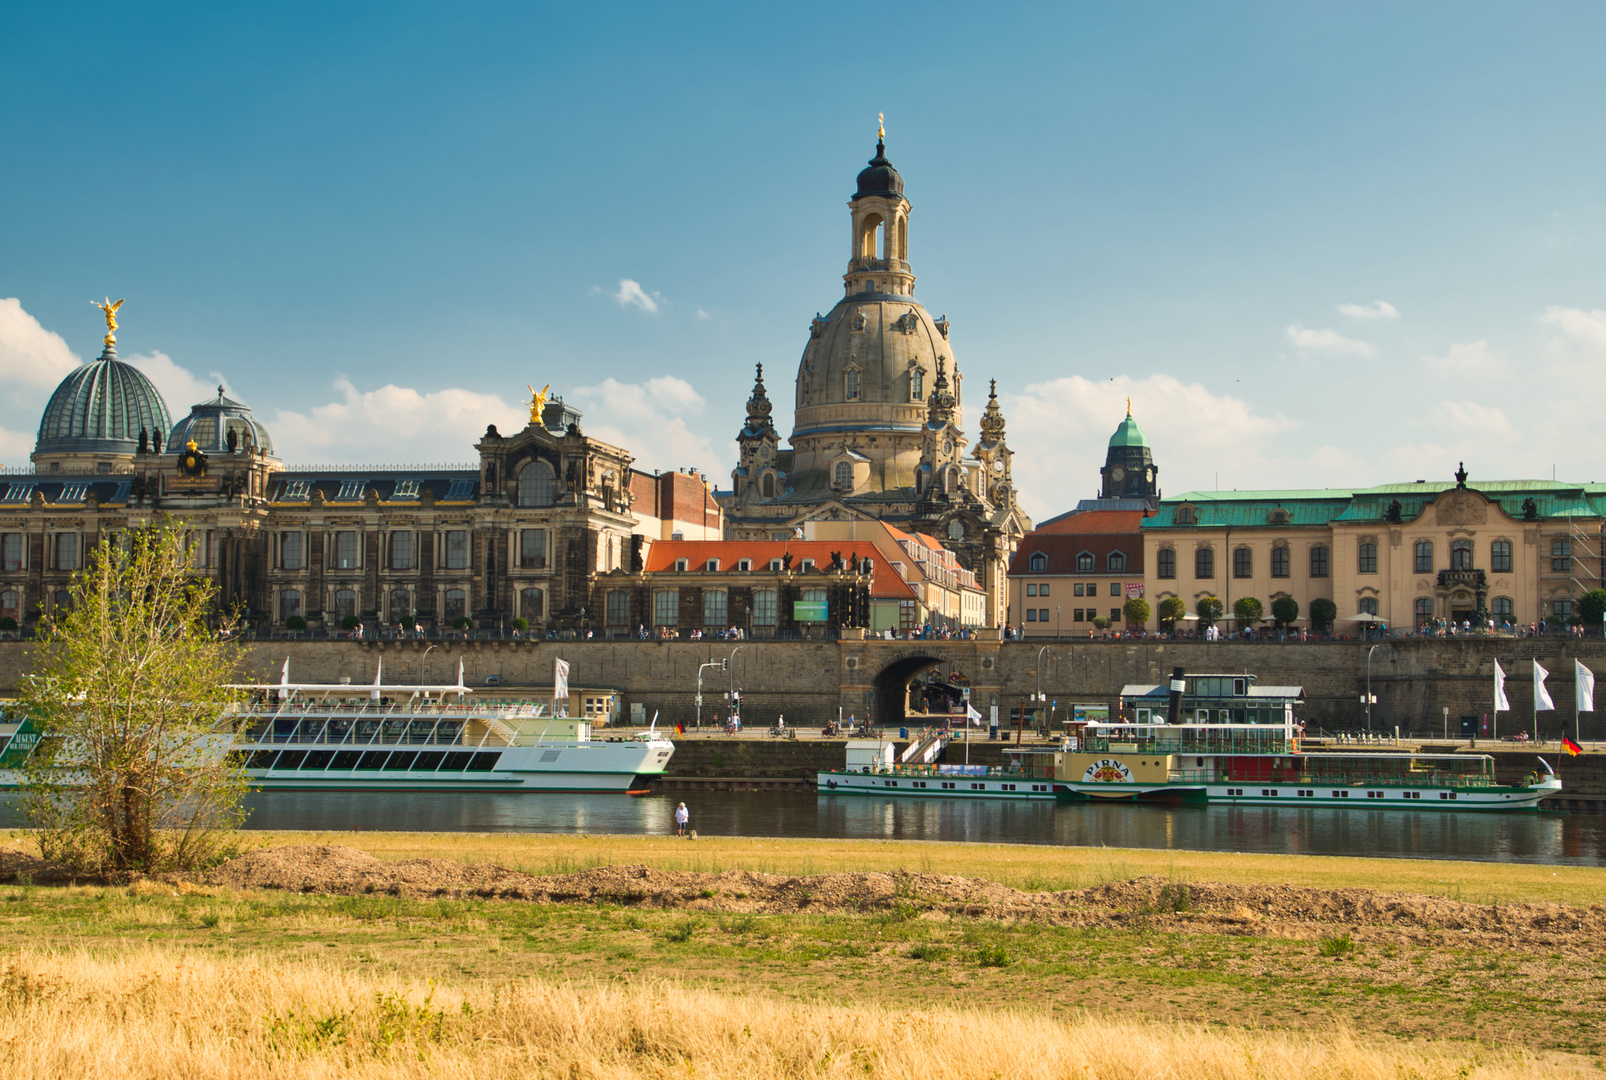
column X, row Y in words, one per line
column 1322, row 613
column 1285, row 609
column 1100, row 622
column 1591, row 607
column 1171, row 609
column 1247, row 610
column 1209, row 609
column 1136, row 612
column 130, row 683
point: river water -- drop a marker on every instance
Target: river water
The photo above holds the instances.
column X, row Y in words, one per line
column 1546, row 837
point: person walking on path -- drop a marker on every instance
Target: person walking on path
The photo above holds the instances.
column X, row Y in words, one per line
column 681, row 817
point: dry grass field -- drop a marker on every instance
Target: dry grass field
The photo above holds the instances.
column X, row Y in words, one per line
column 155, row 1012
column 208, row 978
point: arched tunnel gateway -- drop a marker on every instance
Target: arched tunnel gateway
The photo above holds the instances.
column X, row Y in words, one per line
column 890, row 705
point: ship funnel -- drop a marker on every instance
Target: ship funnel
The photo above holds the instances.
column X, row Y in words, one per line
column 1173, row 712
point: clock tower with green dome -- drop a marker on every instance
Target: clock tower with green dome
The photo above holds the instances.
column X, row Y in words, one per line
column 1129, row 471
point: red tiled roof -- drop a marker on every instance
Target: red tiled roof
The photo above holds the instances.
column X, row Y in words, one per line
column 1094, row 521
column 1063, row 549
column 885, row 584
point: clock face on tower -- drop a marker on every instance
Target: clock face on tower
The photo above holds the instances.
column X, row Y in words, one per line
column 1117, row 474
column 998, row 464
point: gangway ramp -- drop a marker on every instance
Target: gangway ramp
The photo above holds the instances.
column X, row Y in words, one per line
column 925, row 747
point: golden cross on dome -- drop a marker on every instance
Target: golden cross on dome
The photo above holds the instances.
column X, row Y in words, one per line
column 881, row 125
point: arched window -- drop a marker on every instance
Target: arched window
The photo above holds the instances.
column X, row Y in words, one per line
column 1166, row 563
column 850, row 385
column 10, row 604
column 1424, row 556
column 532, row 604
column 1366, row 558
column 767, row 486
column 716, row 607
column 1038, row 563
column 345, row 602
column 1368, row 605
column 618, row 608
column 1279, row 561
column 956, row 530
column 844, row 475
column 63, row 601
column 401, row 603
column 1424, row 610
column 536, row 484
column 1243, row 563
column 1461, row 555
column 764, row 607
column 1084, row 561
column 1204, row 562
column 950, row 480
column 1500, row 557
column 917, row 385
column 289, row 604
column 871, row 236
column 456, row 604
column 1501, row 608
column 1185, row 515
column 1561, row 556
column 1318, row 561
column 1116, row 561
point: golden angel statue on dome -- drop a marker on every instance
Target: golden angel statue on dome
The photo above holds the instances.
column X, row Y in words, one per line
column 110, row 311
column 537, row 402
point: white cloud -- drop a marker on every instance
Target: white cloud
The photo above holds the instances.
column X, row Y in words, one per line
column 658, row 421
column 631, row 294
column 1377, row 309
column 392, row 424
column 1328, row 341
column 1473, row 417
column 179, row 386
column 31, row 357
column 704, row 316
column 1467, row 360
column 1585, row 326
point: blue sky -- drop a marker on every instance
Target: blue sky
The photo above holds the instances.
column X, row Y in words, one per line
column 1319, row 245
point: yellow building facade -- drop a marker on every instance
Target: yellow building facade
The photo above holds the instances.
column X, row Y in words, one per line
column 1512, row 551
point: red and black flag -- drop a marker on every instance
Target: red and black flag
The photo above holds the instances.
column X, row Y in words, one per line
column 1572, row 748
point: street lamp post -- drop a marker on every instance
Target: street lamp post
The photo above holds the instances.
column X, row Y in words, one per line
column 730, row 664
column 1369, row 696
column 421, row 665
column 1037, row 695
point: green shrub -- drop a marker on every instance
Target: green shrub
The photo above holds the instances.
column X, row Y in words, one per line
column 295, row 622
column 521, row 624
column 1337, row 947
column 350, row 622
column 992, row 956
column 8, row 623
column 462, row 622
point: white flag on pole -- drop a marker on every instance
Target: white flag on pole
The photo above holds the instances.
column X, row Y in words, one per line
column 1584, row 680
column 972, row 715
column 284, row 680
column 1501, row 702
column 379, row 670
column 1542, row 700
column 560, row 681
column 460, row 673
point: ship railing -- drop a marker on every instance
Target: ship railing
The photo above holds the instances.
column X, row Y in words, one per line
column 993, row 772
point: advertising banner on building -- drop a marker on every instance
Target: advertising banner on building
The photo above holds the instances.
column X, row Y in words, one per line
column 1134, row 591
column 810, row 611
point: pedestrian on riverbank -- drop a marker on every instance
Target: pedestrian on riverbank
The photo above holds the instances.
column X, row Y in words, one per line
column 682, row 816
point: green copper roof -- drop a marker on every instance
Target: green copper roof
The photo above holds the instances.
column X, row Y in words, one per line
column 1128, row 434
column 1319, row 506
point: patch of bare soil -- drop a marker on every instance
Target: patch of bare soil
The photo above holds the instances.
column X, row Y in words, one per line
column 1148, row 902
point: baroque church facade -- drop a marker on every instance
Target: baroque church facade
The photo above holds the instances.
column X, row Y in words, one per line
column 877, row 433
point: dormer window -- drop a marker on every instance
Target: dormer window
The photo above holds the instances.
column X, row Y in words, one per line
column 1279, row 516
column 808, row 564
column 406, row 489
column 1185, row 515
column 850, row 385
column 775, row 565
column 744, row 565
column 1084, row 562
column 917, row 385
column 682, row 565
column 350, row 491
column 711, row 565
column 1116, row 561
column 1038, row 563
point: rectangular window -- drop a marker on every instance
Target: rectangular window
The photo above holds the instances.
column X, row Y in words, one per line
column 1031, row 614
column 403, row 551
column 66, row 551
column 1115, row 588
column 1204, row 563
column 1561, row 556
column 457, row 549
column 715, row 607
column 1042, row 590
column 619, row 608
column 1561, row 609
column 532, row 549
column 1424, row 556
column 1115, row 614
column 1042, row 614
column 1500, row 557
column 764, row 607
column 666, row 607
column 1031, row 590
column 346, row 556
column 1318, row 561
column 1076, row 590
column 292, row 551
column 1243, row 563
column 1279, row 562
column 1366, row 559
column 1166, row 563
column 13, row 552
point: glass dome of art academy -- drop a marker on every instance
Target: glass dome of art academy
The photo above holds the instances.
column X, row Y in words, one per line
column 94, row 419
